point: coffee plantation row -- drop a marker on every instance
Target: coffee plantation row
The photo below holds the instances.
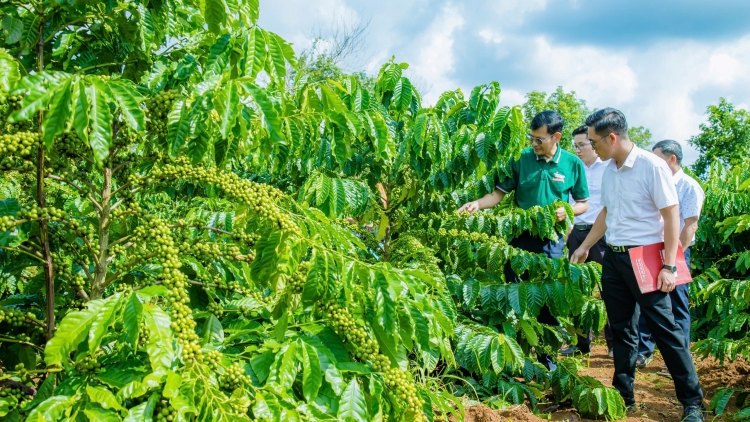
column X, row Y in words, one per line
column 193, row 229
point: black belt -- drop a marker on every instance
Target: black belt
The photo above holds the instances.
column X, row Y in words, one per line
column 620, row 249
column 583, row 227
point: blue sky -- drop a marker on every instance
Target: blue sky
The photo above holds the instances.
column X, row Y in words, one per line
column 661, row 62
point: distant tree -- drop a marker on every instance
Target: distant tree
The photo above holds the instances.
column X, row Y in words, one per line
column 640, row 136
column 725, row 137
column 572, row 108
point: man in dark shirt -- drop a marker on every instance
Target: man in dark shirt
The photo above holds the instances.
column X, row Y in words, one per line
column 544, row 173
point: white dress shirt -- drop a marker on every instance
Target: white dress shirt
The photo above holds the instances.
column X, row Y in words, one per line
column 594, row 178
column 691, row 196
column 633, row 196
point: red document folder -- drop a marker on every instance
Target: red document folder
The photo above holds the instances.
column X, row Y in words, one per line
column 647, row 262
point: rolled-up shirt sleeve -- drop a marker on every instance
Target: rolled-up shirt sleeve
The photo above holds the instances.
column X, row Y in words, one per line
column 663, row 190
column 510, row 183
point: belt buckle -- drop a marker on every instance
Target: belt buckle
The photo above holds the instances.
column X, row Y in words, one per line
column 618, row 249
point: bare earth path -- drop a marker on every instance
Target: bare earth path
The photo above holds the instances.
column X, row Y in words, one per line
column 654, row 393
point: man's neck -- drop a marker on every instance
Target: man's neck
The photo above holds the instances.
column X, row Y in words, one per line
column 675, row 169
column 551, row 154
column 626, row 147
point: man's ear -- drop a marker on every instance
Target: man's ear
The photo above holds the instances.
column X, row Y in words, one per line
column 557, row 136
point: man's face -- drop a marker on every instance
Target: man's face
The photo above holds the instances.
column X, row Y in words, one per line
column 583, row 148
column 542, row 141
column 668, row 158
column 602, row 144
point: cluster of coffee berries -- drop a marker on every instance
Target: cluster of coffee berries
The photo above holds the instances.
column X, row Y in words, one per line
column 216, row 309
column 20, row 397
column 455, row 234
column 164, row 411
column 399, row 384
column 298, row 279
column 20, row 144
column 131, row 208
column 88, row 365
column 158, row 240
column 233, row 377
column 212, row 358
column 11, row 316
column 342, row 322
column 159, row 107
column 6, row 223
column 9, row 105
column 260, row 198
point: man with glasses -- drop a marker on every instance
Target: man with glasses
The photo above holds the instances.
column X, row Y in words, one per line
column 583, row 223
column 640, row 208
column 544, row 173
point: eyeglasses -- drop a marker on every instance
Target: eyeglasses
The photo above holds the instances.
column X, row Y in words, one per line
column 593, row 142
column 580, row 146
column 538, row 141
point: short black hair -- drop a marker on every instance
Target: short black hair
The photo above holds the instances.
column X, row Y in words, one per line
column 581, row 130
column 669, row 147
column 608, row 120
column 552, row 119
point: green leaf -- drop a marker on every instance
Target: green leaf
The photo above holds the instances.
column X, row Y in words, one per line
column 95, row 413
column 215, row 14
column 6, row 404
column 56, row 119
column 178, row 126
column 104, row 397
column 128, row 100
column 13, row 28
column 212, row 330
column 160, row 349
column 81, row 111
column 70, row 332
column 312, row 377
column 271, row 116
column 9, row 74
column 277, row 55
column 172, row 385
column 105, row 318
column 131, row 318
column 100, row 124
column 52, row 409
column 227, row 103
column 352, row 405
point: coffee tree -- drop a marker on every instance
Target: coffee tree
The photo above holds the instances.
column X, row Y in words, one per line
column 189, row 233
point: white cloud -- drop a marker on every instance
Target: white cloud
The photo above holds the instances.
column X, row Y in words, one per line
column 433, row 61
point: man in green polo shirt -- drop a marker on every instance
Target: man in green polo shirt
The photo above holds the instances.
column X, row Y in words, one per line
column 544, row 173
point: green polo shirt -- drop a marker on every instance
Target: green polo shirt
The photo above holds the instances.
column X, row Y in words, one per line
column 541, row 182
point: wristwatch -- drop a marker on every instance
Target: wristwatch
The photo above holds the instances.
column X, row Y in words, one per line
column 672, row 268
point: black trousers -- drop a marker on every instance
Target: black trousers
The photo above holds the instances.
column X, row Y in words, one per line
column 596, row 254
column 621, row 294
column 551, row 249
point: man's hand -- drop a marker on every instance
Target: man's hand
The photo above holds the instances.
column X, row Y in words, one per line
column 666, row 281
column 561, row 214
column 470, row 207
column 580, row 255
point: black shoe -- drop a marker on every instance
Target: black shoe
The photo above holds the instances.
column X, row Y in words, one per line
column 693, row 414
column 573, row 351
column 643, row 361
column 630, row 407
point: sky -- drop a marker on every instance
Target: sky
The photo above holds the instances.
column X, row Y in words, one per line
column 660, row 62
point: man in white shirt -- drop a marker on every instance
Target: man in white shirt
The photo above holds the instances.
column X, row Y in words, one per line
column 582, row 223
column 690, row 195
column 640, row 208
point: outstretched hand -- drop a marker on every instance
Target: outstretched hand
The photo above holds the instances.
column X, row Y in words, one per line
column 561, row 214
column 470, row 207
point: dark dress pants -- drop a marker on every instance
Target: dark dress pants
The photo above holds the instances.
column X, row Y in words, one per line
column 621, row 296
column 680, row 298
column 550, row 249
column 596, row 254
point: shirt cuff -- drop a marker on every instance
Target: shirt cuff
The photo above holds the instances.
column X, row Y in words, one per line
column 581, row 200
column 502, row 190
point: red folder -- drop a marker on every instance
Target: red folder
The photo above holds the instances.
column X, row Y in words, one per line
column 647, row 262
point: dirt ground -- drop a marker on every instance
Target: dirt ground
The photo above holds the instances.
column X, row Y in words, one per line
column 654, row 393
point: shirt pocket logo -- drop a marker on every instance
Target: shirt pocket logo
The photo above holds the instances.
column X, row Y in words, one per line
column 557, row 177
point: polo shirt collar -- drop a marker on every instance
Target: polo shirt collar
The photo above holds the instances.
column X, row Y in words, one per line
column 555, row 158
column 634, row 153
